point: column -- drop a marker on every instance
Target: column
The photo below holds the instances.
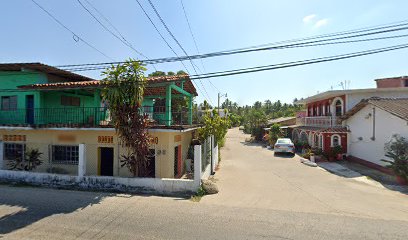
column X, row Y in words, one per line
column 190, row 110
column 197, row 165
column 82, row 160
column 1, row 155
column 167, row 116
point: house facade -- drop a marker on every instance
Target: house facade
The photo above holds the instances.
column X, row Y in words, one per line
column 323, row 126
column 372, row 124
column 61, row 115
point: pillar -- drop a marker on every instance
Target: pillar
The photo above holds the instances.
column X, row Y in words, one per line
column 190, row 110
column 167, row 116
column 82, row 160
column 197, row 165
column 1, row 155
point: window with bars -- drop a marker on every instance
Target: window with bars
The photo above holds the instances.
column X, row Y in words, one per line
column 70, row 101
column 65, row 154
column 8, row 103
column 13, row 151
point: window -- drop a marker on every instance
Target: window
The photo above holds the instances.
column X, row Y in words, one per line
column 9, row 103
column 339, row 108
column 321, row 141
column 406, row 83
column 13, row 151
column 335, row 141
column 70, row 101
column 65, row 154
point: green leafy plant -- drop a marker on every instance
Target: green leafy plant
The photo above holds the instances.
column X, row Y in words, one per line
column 397, row 150
column 274, row 133
column 214, row 125
column 124, row 90
column 30, row 161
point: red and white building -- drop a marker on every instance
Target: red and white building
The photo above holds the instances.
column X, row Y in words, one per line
column 324, row 125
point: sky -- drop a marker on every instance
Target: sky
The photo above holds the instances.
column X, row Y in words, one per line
column 29, row 35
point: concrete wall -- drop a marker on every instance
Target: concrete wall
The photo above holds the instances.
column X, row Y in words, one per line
column 362, row 127
column 144, row 185
column 164, row 147
column 391, row 82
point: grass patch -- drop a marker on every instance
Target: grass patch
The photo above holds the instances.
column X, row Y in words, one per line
column 199, row 194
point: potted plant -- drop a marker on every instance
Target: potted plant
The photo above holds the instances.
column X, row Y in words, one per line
column 338, row 152
column 329, row 155
column 397, row 150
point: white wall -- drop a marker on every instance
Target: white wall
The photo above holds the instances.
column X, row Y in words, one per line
column 386, row 125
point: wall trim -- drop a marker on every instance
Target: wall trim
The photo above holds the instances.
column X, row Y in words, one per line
column 370, row 165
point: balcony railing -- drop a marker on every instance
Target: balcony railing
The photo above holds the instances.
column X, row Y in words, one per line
column 83, row 117
column 321, row 121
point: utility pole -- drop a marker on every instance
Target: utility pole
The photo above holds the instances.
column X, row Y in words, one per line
column 219, row 96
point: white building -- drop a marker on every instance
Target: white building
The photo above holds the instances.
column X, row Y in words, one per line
column 372, row 123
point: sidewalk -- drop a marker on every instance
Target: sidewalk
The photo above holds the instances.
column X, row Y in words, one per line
column 343, row 171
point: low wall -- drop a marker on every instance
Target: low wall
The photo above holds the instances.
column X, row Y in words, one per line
column 103, row 183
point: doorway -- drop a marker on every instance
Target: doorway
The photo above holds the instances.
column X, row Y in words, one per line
column 106, row 161
column 151, row 164
column 177, row 161
column 30, row 109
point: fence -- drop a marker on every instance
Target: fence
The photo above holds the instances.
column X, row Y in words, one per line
column 71, row 166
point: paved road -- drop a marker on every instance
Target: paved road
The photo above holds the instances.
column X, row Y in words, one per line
column 261, row 197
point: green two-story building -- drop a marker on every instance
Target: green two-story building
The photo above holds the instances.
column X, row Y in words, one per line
column 56, row 110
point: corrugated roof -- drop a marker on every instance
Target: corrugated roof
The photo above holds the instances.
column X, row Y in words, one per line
column 395, row 106
column 281, row 119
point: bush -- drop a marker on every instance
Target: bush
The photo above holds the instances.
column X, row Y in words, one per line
column 397, row 149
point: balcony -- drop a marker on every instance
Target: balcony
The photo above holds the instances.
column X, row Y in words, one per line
column 86, row 117
column 321, row 121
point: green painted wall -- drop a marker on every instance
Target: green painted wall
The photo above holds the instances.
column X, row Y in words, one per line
column 11, row 80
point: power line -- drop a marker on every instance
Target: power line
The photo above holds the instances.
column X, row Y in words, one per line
column 72, row 32
column 292, row 64
column 178, row 43
column 195, row 42
column 300, row 63
column 99, row 66
column 162, row 37
column 124, row 41
column 278, row 47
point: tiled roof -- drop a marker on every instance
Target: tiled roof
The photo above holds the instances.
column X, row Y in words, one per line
column 395, row 106
column 150, row 88
column 19, row 67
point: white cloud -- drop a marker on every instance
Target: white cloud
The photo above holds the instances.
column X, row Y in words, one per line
column 321, row 23
column 309, row 18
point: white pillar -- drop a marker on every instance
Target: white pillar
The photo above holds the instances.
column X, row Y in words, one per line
column 82, row 160
column 1, row 155
column 197, row 165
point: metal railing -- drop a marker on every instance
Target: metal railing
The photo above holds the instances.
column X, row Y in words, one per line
column 85, row 116
column 321, row 121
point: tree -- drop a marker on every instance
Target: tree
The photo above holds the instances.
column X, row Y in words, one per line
column 397, row 150
column 157, row 74
column 124, row 87
column 274, row 133
column 170, row 73
column 181, row 72
column 214, row 125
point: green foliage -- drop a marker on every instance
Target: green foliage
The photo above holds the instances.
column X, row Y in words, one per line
column 274, row 133
column 235, row 120
column 31, row 160
column 157, row 74
column 123, row 91
column 214, row 125
column 397, row 150
column 170, row 73
column 181, row 72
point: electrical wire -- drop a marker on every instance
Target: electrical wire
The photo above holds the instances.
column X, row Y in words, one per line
column 290, row 64
column 120, row 38
column 181, row 47
column 72, row 32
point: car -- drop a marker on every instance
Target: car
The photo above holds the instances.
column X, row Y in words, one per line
column 284, row 145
